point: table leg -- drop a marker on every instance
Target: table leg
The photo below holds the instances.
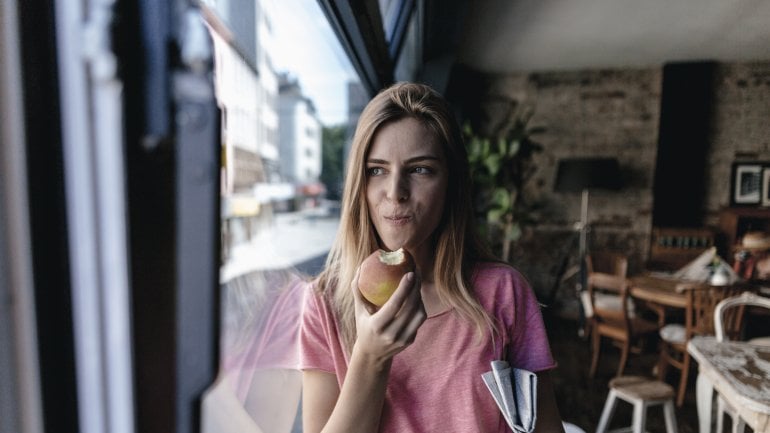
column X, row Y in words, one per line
column 704, row 392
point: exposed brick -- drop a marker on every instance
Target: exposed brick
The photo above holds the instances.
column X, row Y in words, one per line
column 616, row 113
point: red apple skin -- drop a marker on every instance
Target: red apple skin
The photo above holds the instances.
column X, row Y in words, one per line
column 378, row 280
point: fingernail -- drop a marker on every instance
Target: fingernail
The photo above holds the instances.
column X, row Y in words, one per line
column 410, row 277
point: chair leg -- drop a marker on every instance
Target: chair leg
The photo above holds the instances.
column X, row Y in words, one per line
column 720, row 414
column 624, row 357
column 739, row 425
column 683, row 380
column 597, row 340
column 669, row 417
column 588, row 328
column 663, row 362
column 640, row 408
column 609, row 408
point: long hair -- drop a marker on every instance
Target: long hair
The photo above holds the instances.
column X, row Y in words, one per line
column 457, row 245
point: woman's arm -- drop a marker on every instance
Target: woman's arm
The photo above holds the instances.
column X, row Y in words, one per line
column 357, row 407
column 548, row 418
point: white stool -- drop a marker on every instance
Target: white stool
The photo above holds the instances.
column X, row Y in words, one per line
column 642, row 393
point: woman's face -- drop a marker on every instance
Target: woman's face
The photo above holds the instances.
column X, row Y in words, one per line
column 406, row 182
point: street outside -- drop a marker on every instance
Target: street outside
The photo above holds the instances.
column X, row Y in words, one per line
column 298, row 240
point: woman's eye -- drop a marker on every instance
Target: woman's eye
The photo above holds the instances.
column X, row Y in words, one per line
column 374, row 171
column 422, row 170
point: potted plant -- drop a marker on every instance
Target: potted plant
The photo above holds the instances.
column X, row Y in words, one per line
column 501, row 165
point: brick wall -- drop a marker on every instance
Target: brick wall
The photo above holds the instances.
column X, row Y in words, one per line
column 616, row 113
column 740, row 129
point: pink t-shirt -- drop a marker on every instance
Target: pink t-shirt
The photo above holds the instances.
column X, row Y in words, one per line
column 435, row 384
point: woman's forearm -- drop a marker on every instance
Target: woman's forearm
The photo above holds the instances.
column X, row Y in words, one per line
column 548, row 418
column 359, row 406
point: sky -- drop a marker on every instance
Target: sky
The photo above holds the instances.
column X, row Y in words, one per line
column 308, row 49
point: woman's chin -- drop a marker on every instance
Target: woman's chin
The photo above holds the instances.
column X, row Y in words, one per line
column 394, row 244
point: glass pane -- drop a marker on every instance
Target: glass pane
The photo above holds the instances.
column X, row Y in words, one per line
column 283, row 93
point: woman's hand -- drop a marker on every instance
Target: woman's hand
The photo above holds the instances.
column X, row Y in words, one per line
column 383, row 333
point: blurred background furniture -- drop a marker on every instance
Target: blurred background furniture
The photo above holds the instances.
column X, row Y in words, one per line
column 612, row 310
column 642, row 393
column 583, row 175
column 615, row 264
column 672, row 248
column 699, row 320
column 728, row 318
column 734, row 222
column 659, row 293
column 722, row 366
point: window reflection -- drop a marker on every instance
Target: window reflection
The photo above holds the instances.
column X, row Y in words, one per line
column 259, row 386
column 283, row 137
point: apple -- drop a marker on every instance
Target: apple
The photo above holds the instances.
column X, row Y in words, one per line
column 381, row 273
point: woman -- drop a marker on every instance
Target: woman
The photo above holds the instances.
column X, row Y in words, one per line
column 415, row 364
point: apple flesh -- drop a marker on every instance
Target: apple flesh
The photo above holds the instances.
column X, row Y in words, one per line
column 381, row 273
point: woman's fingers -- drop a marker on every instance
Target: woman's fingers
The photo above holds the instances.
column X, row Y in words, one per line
column 394, row 326
column 406, row 286
column 409, row 332
column 404, row 308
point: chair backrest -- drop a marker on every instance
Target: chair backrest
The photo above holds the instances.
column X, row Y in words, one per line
column 701, row 304
column 727, row 319
column 608, row 263
column 607, row 274
column 671, row 247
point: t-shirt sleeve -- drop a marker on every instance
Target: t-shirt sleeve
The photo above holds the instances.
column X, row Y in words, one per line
column 529, row 348
column 315, row 352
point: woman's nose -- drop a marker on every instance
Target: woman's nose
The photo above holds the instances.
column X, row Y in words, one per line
column 398, row 190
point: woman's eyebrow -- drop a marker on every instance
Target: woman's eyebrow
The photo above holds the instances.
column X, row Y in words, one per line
column 411, row 160
column 422, row 158
column 377, row 161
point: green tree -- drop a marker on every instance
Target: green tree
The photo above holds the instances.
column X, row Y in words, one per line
column 333, row 145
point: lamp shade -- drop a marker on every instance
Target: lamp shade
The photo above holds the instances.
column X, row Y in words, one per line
column 578, row 174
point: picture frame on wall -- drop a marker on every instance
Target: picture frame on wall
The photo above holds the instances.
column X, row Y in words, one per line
column 747, row 183
column 766, row 186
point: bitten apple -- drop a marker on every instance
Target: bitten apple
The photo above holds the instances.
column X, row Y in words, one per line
column 381, row 273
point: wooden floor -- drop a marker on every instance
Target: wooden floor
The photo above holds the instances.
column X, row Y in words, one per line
column 581, row 399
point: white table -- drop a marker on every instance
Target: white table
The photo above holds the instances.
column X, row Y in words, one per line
column 740, row 372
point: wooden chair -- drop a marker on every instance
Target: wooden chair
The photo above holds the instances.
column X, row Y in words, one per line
column 613, row 313
column 699, row 314
column 599, row 264
column 728, row 315
column 673, row 247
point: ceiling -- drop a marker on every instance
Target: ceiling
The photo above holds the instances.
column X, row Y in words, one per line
column 538, row 35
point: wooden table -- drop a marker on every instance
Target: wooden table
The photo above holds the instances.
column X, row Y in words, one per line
column 740, row 372
column 668, row 292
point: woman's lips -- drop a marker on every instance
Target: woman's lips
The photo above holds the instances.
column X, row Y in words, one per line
column 398, row 220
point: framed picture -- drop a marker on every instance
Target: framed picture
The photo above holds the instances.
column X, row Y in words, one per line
column 766, row 186
column 747, row 183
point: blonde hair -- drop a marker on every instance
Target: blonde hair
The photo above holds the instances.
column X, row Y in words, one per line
column 457, row 245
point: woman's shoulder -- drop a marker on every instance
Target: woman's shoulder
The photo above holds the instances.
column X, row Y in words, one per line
column 495, row 271
column 500, row 281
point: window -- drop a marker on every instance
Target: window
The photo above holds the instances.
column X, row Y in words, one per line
column 277, row 228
